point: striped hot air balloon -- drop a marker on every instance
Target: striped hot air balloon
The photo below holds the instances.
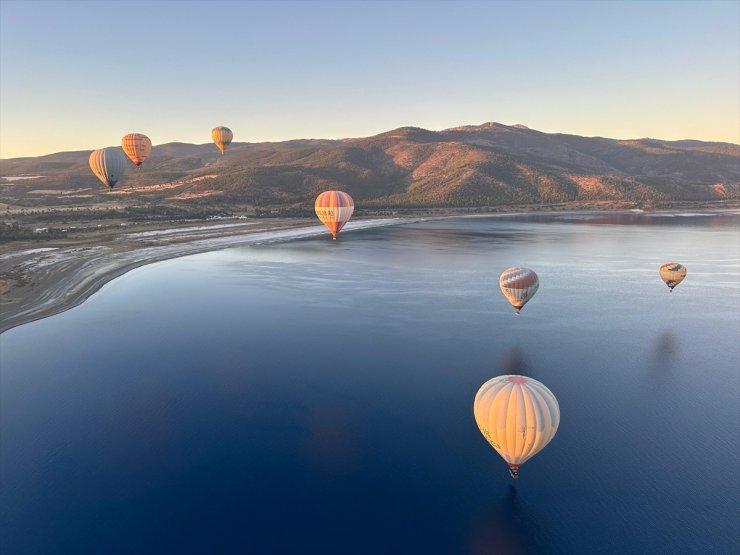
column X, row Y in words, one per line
column 222, row 136
column 108, row 164
column 518, row 285
column 673, row 274
column 518, row 416
column 334, row 209
column 137, row 147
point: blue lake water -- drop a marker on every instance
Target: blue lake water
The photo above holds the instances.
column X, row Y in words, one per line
column 315, row 396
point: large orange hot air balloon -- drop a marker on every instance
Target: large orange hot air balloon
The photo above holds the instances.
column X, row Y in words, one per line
column 518, row 285
column 108, row 164
column 222, row 136
column 334, row 209
column 672, row 273
column 518, row 416
column 137, row 147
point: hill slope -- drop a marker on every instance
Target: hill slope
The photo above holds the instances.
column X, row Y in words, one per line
column 487, row 165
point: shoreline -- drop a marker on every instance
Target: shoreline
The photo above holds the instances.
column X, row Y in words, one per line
column 56, row 272
column 42, row 282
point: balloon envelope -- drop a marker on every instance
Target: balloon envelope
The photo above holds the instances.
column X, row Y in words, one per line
column 222, row 136
column 518, row 416
column 518, row 285
column 672, row 273
column 137, row 147
column 334, row 209
column 108, row 164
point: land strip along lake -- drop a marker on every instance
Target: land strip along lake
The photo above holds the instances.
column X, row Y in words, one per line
column 315, row 396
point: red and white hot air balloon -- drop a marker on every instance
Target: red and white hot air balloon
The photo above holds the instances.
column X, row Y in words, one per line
column 518, row 285
column 137, row 147
column 334, row 209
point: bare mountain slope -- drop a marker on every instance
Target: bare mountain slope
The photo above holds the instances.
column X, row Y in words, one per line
column 485, row 165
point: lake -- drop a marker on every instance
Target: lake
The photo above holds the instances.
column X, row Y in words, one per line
column 316, row 396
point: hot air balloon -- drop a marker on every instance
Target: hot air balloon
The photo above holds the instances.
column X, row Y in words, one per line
column 672, row 273
column 137, row 147
column 334, row 209
column 222, row 136
column 108, row 164
column 518, row 416
column 518, row 285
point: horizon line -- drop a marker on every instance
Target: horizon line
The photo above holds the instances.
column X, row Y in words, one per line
column 517, row 126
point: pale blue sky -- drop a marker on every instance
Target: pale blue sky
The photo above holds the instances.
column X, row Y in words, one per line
column 79, row 75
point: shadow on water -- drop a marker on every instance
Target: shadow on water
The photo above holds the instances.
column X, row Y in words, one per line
column 508, row 528
column 665, row 351
column 513, row 362
column 666, row 346
column 447, row 235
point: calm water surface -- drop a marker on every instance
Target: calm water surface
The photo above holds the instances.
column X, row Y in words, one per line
column 316, row 396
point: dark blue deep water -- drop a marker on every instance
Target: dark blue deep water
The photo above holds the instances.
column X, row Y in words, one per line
column 316, row 396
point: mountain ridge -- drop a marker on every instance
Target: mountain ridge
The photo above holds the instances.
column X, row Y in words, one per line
column 471, row 165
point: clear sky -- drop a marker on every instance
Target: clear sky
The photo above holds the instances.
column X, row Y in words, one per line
column 79, row 75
